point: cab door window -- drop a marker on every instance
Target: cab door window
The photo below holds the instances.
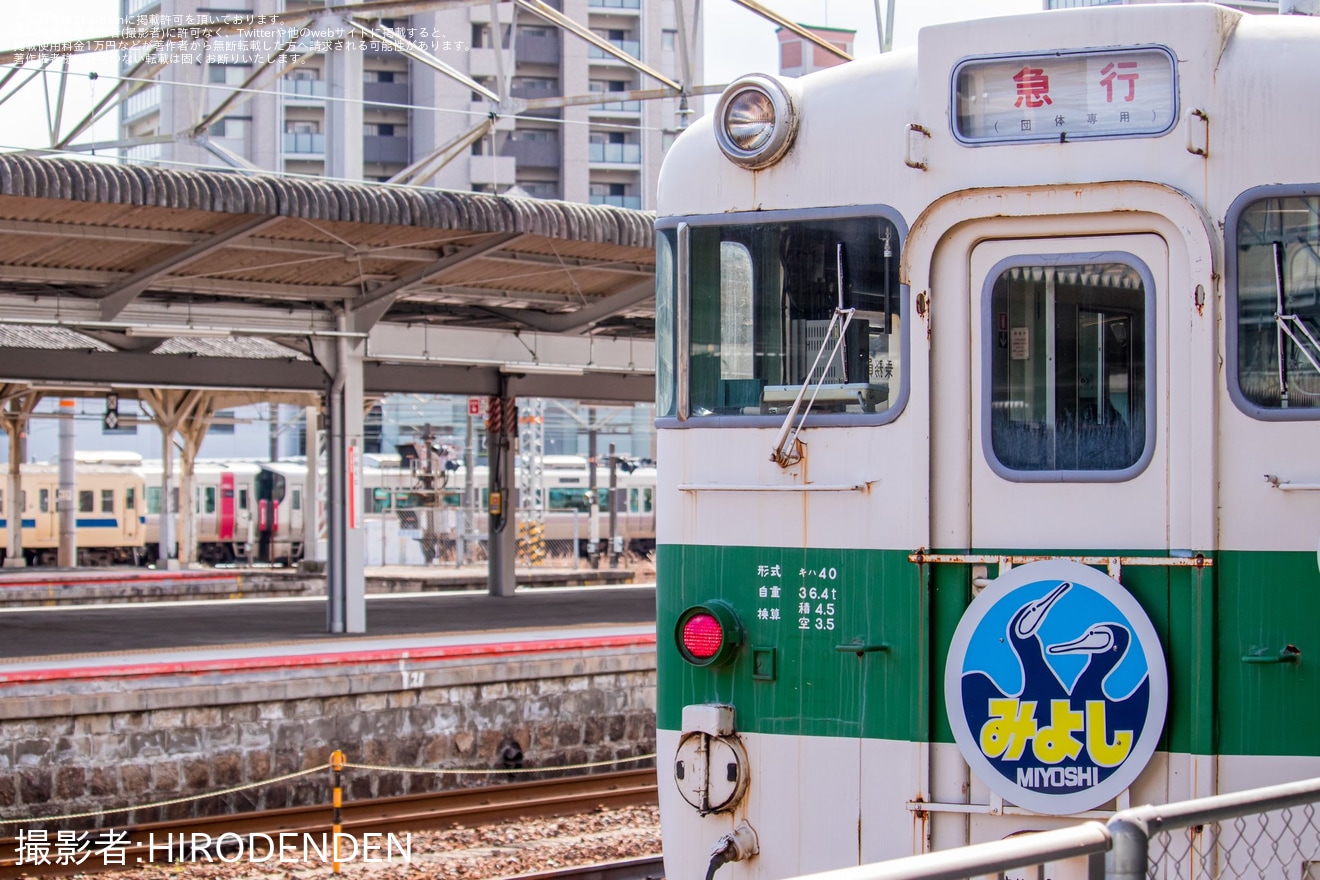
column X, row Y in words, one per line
column 1069, row 368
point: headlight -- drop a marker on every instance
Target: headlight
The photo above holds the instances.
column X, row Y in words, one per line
column 755, row 120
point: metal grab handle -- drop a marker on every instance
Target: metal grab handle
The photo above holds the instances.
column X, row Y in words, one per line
column 859, row 647
column 1287, row 654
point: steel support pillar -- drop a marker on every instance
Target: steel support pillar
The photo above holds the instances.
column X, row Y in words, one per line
column 346, row 554
column 18, row 405
column 14, row 493
column 312, row 555
column 66, row 498
column 502, row 526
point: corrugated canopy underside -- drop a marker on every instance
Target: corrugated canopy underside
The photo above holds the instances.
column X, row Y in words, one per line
column 122, row 234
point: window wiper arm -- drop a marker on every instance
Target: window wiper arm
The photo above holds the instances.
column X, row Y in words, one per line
column 1290, row 325
column 787, row 450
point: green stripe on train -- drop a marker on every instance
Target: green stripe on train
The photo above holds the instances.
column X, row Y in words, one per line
column 1249, row 605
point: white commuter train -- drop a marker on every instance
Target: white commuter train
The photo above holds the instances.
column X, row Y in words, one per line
column 988, row 416
column 252, row 511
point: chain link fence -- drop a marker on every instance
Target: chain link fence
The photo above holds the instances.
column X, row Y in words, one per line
column 1280, row 843
column 1269, row 833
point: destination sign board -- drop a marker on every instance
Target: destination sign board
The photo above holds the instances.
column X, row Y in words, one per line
column 1065, row 96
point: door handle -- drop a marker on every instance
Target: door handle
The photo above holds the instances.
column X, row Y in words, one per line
column 859, row 647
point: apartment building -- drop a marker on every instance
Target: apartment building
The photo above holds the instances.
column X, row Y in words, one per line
column 312, row 122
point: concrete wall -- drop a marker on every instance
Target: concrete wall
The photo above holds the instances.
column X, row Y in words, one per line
column 106, row 743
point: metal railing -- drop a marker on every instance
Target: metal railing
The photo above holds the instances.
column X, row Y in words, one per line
column 1269, row 832
column 631, row 47
column 142, row 101
column 306, row 89
column 615, row 154
column 633, row 202
column 304, row 142
column 618, row 106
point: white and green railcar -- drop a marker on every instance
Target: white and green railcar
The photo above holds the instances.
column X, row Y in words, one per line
column 989, row 437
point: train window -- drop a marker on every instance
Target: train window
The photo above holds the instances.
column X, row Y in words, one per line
column 107, row 500
column 633, row 506
column 130, row 498
column 209, row 499
column 43, row 501
column 648, row 502
column 1067, row 357
column 242, row 499
column 154, row 495
column 774, row 306
column 86, row 501
column 1274, row 275
column 297, row 499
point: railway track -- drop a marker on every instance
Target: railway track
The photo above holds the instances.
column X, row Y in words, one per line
column 147, row 843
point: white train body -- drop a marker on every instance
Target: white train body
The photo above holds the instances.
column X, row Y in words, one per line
column 1069, row 349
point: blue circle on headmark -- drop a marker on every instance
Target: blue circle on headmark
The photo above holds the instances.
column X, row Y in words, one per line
column 1056, row 687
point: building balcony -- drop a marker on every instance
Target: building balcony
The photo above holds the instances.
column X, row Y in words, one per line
column 385, row 150
column 614, row 154
column 538, row 49
column 633, row 202
column 614, row 4
column 533, row 89
column 533, row 154
column 303, row 91
column 307, row 144
column 618, row 107
column 146, row 100
column 492, row 169
column 385, row 93
column 630, row 47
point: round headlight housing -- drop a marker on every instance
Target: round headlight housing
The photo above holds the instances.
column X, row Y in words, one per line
column 755, row 120
column 708, row 634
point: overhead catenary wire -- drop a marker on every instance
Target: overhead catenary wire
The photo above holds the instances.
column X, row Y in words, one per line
column 604, row 98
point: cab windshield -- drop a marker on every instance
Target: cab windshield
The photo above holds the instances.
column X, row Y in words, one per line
column 762, row 303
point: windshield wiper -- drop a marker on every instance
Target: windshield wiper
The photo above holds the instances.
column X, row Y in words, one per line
column 1287, row 324
column 788, row 449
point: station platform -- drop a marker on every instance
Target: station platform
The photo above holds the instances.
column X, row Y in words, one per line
column 94, row 636
column 53, row 586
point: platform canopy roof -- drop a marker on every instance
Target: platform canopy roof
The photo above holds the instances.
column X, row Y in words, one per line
column 117, row 273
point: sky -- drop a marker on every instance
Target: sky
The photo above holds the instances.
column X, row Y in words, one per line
column 737, row 41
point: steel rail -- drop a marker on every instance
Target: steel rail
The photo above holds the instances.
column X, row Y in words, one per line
column 419, row 812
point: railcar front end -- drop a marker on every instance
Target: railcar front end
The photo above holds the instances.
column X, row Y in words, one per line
column 988, row 395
